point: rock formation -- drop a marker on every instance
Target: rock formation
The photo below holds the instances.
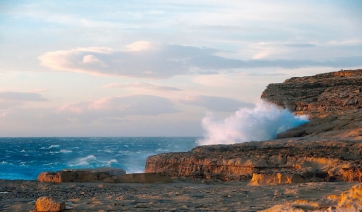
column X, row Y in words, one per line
column 278, row 162
column 90, row 175
column 107, row 175
column 324, row 150
column 319, row 95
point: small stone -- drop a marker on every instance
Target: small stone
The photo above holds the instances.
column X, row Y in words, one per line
column 49, row 204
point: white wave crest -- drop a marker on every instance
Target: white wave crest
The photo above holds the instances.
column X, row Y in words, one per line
column 261, row 123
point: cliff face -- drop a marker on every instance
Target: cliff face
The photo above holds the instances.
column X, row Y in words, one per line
column 319, row 95
column 301, row 159
column 324, row 150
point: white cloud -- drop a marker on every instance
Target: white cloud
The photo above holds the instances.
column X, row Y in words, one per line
column 155, row 60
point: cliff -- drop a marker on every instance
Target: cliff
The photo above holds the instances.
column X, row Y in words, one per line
column 319, row 95
column 328, row 148
column 305, row 160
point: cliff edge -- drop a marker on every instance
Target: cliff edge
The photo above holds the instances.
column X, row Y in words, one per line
column 320, row 95
column 333, row 101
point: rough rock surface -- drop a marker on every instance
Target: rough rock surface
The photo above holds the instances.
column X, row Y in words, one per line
column 350, row 200
column 347, row 126
column 46, row 204
column 305, row 160
column 319, row 95
column 86, row 175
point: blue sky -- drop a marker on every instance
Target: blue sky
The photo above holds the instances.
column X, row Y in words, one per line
column 155, row 68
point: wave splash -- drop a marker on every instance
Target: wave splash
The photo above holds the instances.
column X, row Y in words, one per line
column 261, row 123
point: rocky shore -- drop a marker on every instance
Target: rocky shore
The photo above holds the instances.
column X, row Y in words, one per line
column 187, row 195
column 314, row 167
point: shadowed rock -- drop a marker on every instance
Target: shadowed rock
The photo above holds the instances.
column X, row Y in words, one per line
column 86, row 175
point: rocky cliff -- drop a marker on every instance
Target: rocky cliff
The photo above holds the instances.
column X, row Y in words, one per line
column 329, row 148
column 319, row 95
column 284, row 161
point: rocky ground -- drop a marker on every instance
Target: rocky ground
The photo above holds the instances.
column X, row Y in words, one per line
column 189, row 195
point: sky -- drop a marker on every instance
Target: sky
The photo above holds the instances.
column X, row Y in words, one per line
column 156, row 68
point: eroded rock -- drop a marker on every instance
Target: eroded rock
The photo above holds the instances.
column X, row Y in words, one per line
column 275, row 179
column 314, row 160
column 350, row 200
column 49, row 204
column 320, row 95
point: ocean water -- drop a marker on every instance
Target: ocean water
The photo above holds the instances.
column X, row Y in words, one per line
column 25, row 158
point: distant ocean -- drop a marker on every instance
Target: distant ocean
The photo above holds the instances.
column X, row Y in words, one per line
column 25, row 158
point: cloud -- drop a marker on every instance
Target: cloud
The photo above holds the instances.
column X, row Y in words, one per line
column 114, row 108
column 21, row 96
column 147, row 86
column 216, row 103
column 155, row 60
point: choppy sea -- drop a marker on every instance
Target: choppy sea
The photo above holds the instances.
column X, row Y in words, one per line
column 25, row 158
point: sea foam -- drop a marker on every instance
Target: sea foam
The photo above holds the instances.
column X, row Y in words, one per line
column 263, row 122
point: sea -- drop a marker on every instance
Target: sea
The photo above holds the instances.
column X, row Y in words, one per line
column 24, row 158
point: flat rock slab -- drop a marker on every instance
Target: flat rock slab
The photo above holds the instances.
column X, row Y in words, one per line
column 83, row 175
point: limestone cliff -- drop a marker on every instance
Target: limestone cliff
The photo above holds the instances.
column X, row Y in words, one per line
column 319, row 95
column 301, row 159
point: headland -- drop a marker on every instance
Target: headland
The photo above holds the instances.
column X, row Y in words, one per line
column 314, row 167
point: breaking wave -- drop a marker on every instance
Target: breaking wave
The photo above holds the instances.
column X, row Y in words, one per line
column 261, row 123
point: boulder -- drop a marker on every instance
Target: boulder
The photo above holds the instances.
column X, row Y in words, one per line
column 49, row 204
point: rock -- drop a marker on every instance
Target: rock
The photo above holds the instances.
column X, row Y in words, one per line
column 347, row 125
column 48, row 204
column 350, row 200
column 313, row 159
column 142, row 178
column 275, row 179
column 86, row 175
column 319, row 95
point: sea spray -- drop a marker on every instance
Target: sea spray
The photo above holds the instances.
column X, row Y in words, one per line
column 261, row 123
